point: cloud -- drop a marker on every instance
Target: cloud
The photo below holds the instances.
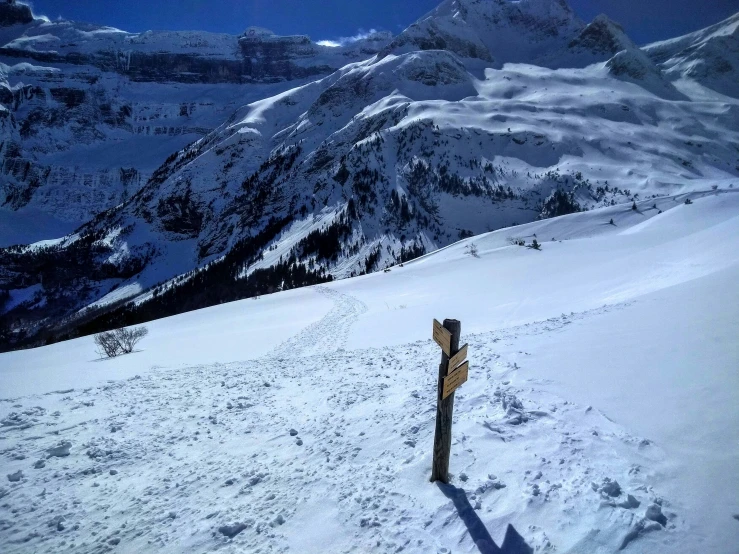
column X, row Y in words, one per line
column 344, row 41
column 330, row 43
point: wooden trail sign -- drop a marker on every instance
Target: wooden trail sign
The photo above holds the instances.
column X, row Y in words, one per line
column 452, row 373
column 442, row 337
column 455, row 379
column 456, row 360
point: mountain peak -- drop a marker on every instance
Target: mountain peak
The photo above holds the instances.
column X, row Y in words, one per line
column 709, row 56
column 544, row 8
column 340, row 161
column 503, row 31
column 602, row 36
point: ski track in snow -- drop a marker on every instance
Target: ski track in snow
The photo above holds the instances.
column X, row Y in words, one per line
column 176, row 460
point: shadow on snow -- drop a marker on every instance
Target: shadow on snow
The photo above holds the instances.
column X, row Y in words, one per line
column 513, row 543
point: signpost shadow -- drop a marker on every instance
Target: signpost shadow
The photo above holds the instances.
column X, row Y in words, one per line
column 513, row 543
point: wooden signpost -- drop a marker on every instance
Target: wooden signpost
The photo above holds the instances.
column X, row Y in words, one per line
column 456, row 360
column 454, row 380
column 452, row 374
column 442, row 337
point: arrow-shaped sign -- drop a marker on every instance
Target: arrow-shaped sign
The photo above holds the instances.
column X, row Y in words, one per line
column 455, row 379
column 457, row 359
column 443, row 338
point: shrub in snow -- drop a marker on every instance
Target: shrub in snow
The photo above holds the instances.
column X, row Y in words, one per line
column 119, row 341
column 535, row 245
column 688, row 201
column 633, row 206
column 515, row 241
column 107, row 345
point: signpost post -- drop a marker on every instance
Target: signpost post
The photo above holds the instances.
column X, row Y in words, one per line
column 452, row 373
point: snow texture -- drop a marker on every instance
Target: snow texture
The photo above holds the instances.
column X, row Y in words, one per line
column 600, row 412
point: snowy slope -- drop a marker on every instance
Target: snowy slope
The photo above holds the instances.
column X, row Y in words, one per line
column 303, row 421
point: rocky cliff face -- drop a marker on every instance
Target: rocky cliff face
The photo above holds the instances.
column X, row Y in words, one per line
column 13, row 13
column 89, row 112
column 497, row 31
column 257, row 55
column 709, row 56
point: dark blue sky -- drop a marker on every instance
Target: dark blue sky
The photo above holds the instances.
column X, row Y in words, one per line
column 644, row 20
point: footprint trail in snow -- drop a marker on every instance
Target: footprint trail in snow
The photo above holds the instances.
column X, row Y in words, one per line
column 329, row 333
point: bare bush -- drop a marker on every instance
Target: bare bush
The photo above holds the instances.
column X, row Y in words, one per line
column 107, row 344
column 119, row 341
column 129, row 337
column 516, row 241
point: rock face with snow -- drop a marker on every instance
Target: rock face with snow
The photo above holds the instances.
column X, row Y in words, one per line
column 431, row 140
column 258, row 55
column 709, row 57
column 88, row 112
column 13, row 13
column 540, row 32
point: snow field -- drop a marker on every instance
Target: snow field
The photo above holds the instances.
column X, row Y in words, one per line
column 600, row 410
column 211, row 447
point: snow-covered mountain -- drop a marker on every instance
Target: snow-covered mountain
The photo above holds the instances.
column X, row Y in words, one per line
column 481, row 115
column 541, row 32
column 709, row 57
column 88, row 112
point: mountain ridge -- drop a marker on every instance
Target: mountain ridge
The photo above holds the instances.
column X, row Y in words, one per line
column 709, row 56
